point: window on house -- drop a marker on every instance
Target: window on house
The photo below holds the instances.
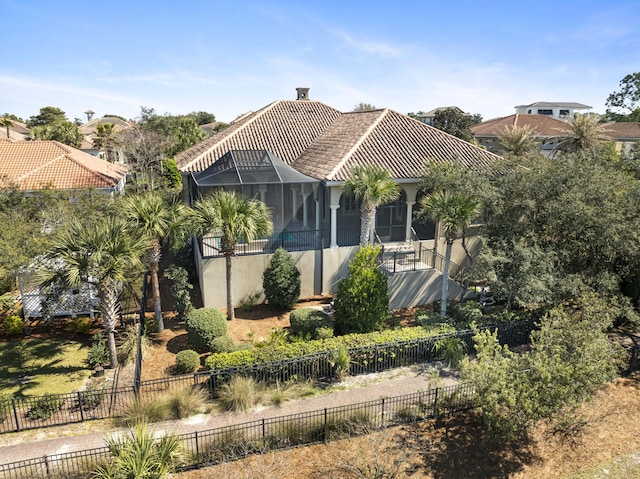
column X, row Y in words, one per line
column 350, row 204
column 545, row 112
column 529, row 111
column 564, row 113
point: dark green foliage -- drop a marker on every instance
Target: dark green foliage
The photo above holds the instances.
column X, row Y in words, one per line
column 187, row 361
column 91, row 398
column 571, row 358
column 221, row 344
column 180, row 290
column 171, row 174
column 281, row 280
column 306, row 322
column 203, row 326
column 12, row 325
column 45, row 407
column 465, row 312
column 456, row 122
column 362, row 301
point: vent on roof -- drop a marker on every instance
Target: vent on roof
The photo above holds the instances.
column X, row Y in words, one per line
column 303, row 93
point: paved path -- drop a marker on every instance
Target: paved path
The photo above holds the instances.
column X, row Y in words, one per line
column 31, row 444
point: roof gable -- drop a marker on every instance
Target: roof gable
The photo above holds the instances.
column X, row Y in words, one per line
column 388, row 139
column 285, row 128
column 31, row 165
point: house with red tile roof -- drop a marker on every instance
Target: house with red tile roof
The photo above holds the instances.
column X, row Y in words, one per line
column 39, row 164
column 546, row 130
column 295, row 155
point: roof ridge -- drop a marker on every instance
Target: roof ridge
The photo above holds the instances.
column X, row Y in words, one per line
column 354, row 148
column 253, row 117
column 35, row 170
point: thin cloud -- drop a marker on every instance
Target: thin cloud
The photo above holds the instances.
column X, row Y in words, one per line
column 368, row 47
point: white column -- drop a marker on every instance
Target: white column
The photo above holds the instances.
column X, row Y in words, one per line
column 334, row 225
column 407, row 234
column 263, row 193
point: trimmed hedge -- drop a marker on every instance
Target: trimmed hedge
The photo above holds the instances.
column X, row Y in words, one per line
column 187, row 361
column 307, row 321
column 203, row 326
column 279, row 352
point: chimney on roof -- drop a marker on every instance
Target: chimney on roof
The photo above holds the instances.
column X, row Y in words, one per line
column 89, row 114
column 303, row 93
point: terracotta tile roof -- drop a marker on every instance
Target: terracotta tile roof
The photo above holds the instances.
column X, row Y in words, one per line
column 32, row 165
column 388, row 139
column 623, row 131
column 285, row 128
column 545, row 126
column 321, row 142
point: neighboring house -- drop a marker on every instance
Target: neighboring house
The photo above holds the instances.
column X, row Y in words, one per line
column 295, row 156
column 39, row 164
column 548, row 131
column 427, row 118
column 624, row 134
column 558, row 110
column 17, row 131
column 89, row 131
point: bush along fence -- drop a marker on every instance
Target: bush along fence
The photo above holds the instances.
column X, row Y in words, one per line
column 44, row 411
column 215, row 446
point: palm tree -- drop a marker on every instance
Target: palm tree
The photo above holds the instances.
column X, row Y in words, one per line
column 7, row 122
column 518, row 140
column 583, row 133
column 158, row 220
column 234, row 218
column 107, row 138
column 454, row 212
column 373, row 186
column 140, row 455
column 104, row 254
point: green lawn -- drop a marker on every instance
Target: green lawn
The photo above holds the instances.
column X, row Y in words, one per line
column 56, row 366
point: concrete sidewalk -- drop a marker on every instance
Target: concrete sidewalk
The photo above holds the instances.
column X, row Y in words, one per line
column 397, row 382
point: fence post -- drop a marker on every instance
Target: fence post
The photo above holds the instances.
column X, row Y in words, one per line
column 382, row 406
column 197, row 452
column 46, row 466
column 326, row 432
column 15, row 414
column 435, row 403
column 264, row 438
column 80, row 406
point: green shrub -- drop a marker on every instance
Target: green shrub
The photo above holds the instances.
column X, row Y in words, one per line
column 221, row 344
column 98, row 353
column 144, row 410
column 281, row 280
column 466, row 312
column 187, row 361
column 180, row 290
column 80, row 325
column 91, row 398
column 341, row 362
column 203, row 326
column 286, row 350
column 429, row 318
column 307, row 321
column 452, row 350
column 362, row 301
column 13, row 325
column 325, row 332
column 171, row 174
column 45, row 407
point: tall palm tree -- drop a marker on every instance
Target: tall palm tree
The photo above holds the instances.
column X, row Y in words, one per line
column 235, row 218
column 104, row 254
column 107, row 138
column 7, row 122
column 158, row 220
column 454, row 212
column 373, row 186
column 583, row 133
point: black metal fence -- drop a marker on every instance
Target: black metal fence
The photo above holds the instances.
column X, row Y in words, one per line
column 36, row 412
column 214, row 446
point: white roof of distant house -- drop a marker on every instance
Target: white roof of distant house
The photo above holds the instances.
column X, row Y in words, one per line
column 559, row 104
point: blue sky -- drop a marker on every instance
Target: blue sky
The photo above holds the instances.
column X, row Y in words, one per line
column 229, row 57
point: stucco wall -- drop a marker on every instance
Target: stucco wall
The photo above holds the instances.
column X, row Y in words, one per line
column 246, row 277
column 413, row 288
